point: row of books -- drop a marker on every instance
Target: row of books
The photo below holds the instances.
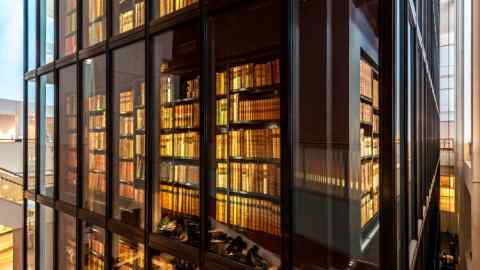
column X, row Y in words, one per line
column 96, row 162
column 222, row 112
column 368, row 208
column 130, row 192
column 132, row 18
column 179, row 173
column 126, row 101
column 71, row 24
column 369, row 176
column 254, row 75
column 171, row 88
column 249, row 177
column 249, row 213
column 97, row 121
column 96, row 141
column 254, row 109
column 96, row 182
column 71, row 177
column 221, row 146
column 365, row 79
column 255, row 143
column 128, row 170
column 365, row 144
column 187, row 115
column 70, row 45
column 96, row 9
column 97, row 103
column 366, row 113
column 182, row 145
column 72, row 140
column 126, row 125
column 96, row 32
column 171, row 6
column 180, row 200
column 221, row 83
column 376, row 124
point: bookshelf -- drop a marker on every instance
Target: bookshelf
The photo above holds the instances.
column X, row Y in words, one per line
column 369, row 144
column 127, row 255
column 94, row 24
column 247, row 187
column 95, row 135
column 67, row 242
column 131, row 154
column 93, row 247
column 68, row 193
column 131, row 14
column 178, row 197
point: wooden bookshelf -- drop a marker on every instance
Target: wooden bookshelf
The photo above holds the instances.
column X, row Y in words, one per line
column 369, row 144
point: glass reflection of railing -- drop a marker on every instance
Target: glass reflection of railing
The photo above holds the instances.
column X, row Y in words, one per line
column 11, row 186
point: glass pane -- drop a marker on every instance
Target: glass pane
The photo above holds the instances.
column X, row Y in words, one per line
column 246, row 211
column 166, row 261
column 32, row 34
column 68, row 27
column 32, row 135
column 47, row 31
column 45, row 241
column 336, row 138
column 31, row 237
column 66, row 242
column 129, row 134
column 94, row 130
column 162, row 8
column 176, row 131
column 127, row 15
column 67, row 141
column 126, row 255
column 47, row 134
column 93, row 22
column 93, row 247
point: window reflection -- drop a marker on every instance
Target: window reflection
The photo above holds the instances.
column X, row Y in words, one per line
column 68, row 27
column 93, row 22
column 93, row 247
column 129, row 134
column 32, row 135
column 45, row 241
column 67, row 141
column 31, row 34
column 47, row 134
column 94, row 139
column 66, row 248
column 47, row 31
column 31, row 235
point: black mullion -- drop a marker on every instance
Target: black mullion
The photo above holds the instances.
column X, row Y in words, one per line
column 387, row 47
column 79, row 111
column 402, row 224
column 207, row 127
column 148, row 102
column 108, row 199
column 288, row 82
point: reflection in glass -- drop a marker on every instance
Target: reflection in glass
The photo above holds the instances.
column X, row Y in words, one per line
column 93, row 22
column 129, row 134
column 246, row 213
column 92, row 247
column 336, row 150
column 31, row 236
column 32, row 136
column 127, row 15
column 166, row 261
column 47, row 134
column 67, row 140
column 94, row 130
column 47, row 31
column 32, row 34
column 45, row 241
column 127, row 255
column 177, row 137
column 66, row 242
column 164, row 8
column 68, row 27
